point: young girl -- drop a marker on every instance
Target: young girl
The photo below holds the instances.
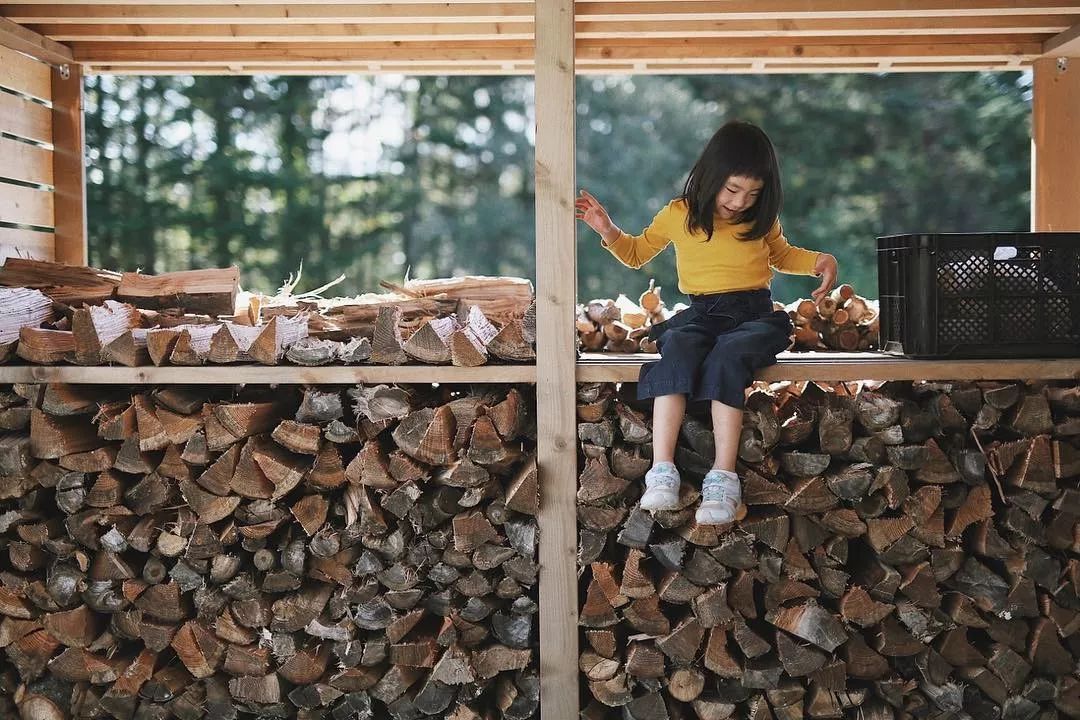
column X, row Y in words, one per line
column 726, row 235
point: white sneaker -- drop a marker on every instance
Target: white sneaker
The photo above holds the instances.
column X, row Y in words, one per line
column 721, row 493
column 661, row 488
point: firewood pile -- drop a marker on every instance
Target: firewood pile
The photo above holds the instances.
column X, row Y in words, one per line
column 192, row 552
column 842, row 321
column 621, row 325
column 909, row 550
column 52, row 313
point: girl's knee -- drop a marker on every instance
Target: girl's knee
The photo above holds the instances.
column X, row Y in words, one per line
column 683, row 343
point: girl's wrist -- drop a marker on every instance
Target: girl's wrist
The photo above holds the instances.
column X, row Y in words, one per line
column 606, row 238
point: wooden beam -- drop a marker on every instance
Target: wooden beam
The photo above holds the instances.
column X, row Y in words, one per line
column 17, row 37
column 69, row 168
column 482, row 12
column 511, row 10
column 770, row 67
column 955, row 48
column 823, row 9
column 691, row 51
column 150, row 54
column 829, row 366
column 298, row 32
column 325, row 68
column 1065, row 43
column 556, row 293
column 260, row 374
column 584, row 29
column 1055, row 119
column 791, row 366
column 816, row 27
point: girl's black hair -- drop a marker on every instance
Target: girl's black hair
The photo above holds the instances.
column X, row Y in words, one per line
column 737, row 148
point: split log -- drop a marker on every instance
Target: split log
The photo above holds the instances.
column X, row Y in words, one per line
column 210, row 291
column 232, row 342
column 311, row 351
column 129, row 349
column 468, row 345
column 431, row 342
column 512, row 343
column 67, row 284
column 21, row 307
column 192, row 346
column 96, row 326
column 276, row 337
column 45, row 347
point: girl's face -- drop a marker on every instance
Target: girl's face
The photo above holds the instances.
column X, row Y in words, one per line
column 738, row 195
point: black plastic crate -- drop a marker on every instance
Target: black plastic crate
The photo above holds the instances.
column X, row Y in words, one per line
column 992, row 295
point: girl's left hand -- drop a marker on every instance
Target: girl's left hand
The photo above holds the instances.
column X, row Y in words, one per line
column 825, row 267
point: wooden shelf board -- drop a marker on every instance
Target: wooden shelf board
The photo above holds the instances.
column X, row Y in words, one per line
column 263, row 375
column 825, row 366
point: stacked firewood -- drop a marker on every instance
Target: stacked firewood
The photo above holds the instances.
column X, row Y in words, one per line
column 909, row 550
column 502, row 300
column 621, row 325
column 189, row 553
column 842, row 320
column 53, row 313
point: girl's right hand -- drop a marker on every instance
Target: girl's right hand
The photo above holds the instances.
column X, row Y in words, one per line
column 589, row 209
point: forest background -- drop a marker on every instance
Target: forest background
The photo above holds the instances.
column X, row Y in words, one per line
column 379, row 177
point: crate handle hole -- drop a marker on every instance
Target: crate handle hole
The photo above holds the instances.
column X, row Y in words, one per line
column 1016, row 252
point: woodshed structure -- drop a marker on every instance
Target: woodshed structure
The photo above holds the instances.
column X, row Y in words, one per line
column 47, row 47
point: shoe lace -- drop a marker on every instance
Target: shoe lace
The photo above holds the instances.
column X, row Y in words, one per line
column 669, row 482
column 719, row 490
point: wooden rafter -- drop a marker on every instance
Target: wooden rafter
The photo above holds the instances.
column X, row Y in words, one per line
column 659, row 10
column 523, row 30
column 27, row 41
column 588, row 51
column 1065, row 43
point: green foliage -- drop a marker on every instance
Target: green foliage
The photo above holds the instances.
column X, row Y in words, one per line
column 433, row 176
column 861, row 156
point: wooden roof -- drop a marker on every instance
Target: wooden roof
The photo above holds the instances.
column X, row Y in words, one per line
column 612, row 36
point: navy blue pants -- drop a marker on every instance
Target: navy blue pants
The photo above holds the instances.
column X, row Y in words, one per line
column 711, row 350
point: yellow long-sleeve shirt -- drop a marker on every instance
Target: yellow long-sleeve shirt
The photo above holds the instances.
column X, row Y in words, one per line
column 723, row 264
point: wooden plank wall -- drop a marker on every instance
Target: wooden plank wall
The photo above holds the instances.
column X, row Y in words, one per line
column 27, row 173
column 556, row 293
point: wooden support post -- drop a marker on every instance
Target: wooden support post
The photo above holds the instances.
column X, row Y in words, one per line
column 1055, row 119
column 556, row 292
column 69, row 168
